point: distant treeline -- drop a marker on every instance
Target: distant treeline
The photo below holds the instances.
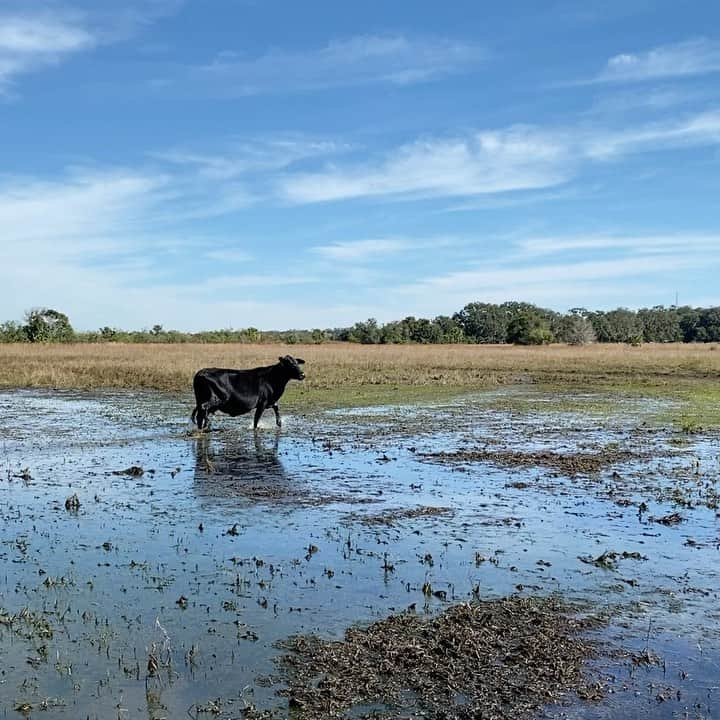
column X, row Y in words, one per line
column 510, row 322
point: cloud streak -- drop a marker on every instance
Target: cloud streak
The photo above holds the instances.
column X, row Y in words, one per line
column 361, row 60
column 516, row 158
column 487, row 162
column 40, row 34
column 29, row 42
column 656, row 244
column 84, row 210
column 358, row 250
column 683, row 59
column 241, row 157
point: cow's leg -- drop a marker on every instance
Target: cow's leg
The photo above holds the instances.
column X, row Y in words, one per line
column 278, row 421
column 205, row 410
column 205, row 402
column 259, row 410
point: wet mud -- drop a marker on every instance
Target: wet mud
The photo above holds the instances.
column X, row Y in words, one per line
column 153, row 572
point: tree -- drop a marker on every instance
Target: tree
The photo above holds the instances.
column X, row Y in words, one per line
column 575, row 329
column 252, row 334
column 483, row 322
column 367, row 333
column 708, row 327
column 318, row 336
column 660, row 324
column 47, row 325
column 450, row 329
column 689, row 320
column 528, row 327
column 395, row 333
column 11, row 332
column 617, row 326
column 425, row 332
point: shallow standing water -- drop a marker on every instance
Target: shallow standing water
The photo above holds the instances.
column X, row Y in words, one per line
column 231, row 542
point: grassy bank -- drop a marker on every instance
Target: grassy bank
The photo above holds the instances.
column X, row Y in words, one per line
column 342, row 374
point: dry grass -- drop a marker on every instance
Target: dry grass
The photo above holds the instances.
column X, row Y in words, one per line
column 348, row 374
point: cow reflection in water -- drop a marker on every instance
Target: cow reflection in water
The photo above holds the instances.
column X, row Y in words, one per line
column 242, row 468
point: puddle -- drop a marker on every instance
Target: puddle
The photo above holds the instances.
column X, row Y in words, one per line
column 165, row 593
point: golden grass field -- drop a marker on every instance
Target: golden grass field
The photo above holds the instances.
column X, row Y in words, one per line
column 343, row 374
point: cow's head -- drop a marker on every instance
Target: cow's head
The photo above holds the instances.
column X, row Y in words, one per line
column 292, row 365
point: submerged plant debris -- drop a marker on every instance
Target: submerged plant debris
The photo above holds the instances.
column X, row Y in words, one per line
column 671, row 519
column 610, row 559
column 566, row 463
column 132, row 471
column 390, row 517
column 493, row 659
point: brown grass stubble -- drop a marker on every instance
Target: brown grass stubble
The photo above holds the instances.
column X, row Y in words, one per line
column 346, row 373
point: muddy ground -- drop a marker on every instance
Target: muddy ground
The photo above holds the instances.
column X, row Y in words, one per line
column 148, row 572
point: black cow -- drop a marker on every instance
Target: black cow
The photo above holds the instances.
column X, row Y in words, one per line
column 237, row 392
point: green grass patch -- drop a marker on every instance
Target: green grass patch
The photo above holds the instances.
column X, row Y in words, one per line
column 301, row 399
column 692, row 404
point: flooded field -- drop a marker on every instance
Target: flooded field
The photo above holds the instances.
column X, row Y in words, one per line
column 152, row 572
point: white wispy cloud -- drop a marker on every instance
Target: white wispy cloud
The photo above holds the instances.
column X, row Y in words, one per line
column 516, row 158
column 30, row 41
column 228, row 255
column 697, row 130
column 99, row 246
column 74, row 214
column 362, row 249
column 691, row 57
column 509, row 279
column 622, row 103
column 42, row 33
column 656, row 244
column 380, row 247
column 241, row 157
column 115, row 22
column 247, row 281
column 361, row 60
column 487, row 162
column 514, row 199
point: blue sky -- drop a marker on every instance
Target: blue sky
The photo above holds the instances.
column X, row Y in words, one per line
column 231, row 163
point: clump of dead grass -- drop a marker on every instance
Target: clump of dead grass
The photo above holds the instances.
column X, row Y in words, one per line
column 565, row 463
column 494, row 659
column 391, row 517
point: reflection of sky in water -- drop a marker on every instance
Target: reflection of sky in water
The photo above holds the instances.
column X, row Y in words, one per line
column 311, row 485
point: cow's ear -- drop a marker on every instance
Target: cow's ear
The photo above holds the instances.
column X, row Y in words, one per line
column 299, row 361
column 281, row 358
